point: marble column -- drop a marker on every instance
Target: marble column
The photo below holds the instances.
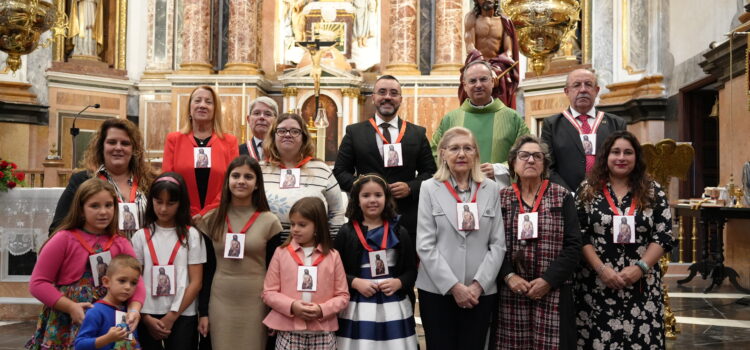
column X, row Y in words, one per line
column 243, row 39
column 351, row 101
column 403, row 29
column 289, row 100
column 448, row 37
column 159, row 43
column 196, row 31
column 347, row 104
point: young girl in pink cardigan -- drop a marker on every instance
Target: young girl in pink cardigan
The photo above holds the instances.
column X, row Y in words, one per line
column 305, row 285
column 64, row 279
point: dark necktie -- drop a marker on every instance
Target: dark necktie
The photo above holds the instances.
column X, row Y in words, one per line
column 386, row 133
column 259, row 148
column 586, row 129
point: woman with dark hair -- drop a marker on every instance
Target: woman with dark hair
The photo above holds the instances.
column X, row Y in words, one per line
column 618, row 287
column 115, row 155
column 235, row 309
column 202, row 128
column 536, row 296
column 288, row 145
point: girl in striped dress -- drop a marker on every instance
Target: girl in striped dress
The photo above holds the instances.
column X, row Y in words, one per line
column 380, row 263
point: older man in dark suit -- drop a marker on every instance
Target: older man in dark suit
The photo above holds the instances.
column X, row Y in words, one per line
column 362, row 151
column 564, row 133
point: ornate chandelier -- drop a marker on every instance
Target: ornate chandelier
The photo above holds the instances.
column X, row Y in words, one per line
column 541, row 26
column 22, row 22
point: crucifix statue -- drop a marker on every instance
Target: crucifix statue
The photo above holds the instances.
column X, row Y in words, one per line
column 315, row 48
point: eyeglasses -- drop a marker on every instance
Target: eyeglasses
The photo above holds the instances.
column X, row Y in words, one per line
column 294, row 132
column 384, row 93
column 524, row 156
column 468, row 150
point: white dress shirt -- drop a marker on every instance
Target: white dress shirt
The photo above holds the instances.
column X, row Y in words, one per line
column 591, row 113
column 164, row 240
column 392, row 129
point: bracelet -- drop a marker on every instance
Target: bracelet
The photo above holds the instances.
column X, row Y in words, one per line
column 134, row 310
column 644, row 267
column 601, row 268
column 508, row 277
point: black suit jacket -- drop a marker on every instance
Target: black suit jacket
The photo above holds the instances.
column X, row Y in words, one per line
column 568, row 166
column 359, row 154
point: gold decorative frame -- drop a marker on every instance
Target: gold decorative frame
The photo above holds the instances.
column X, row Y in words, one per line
column 625, row 15
column 747, row 73
column 58, row 47
column 121, row 30
column 586, row 32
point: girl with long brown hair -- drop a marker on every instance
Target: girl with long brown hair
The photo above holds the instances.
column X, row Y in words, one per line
column 65, row 275
column 235, row 309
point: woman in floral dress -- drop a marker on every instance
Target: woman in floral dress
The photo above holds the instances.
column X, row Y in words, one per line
column 618, row 287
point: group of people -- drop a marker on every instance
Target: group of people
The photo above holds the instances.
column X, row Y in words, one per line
column 510, row 240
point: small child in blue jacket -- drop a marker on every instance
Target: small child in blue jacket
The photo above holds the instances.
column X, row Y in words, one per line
column 101, row 329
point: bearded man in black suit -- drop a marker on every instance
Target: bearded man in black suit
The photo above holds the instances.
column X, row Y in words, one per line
column 362, row 152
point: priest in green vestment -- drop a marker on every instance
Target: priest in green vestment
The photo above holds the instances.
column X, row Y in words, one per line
column 494, row 125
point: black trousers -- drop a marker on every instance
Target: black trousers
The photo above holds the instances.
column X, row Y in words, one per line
column 184, row 335
column 449, row 327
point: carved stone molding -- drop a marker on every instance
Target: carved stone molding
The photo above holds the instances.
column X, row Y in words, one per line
column 24, row 113
column 717, row 59
column 635, row 101
column 350, row 92
column 289, row 91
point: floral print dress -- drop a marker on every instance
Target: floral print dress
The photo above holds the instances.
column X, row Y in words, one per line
column 633, row 317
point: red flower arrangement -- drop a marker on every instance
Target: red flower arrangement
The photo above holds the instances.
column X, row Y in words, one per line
column 9, row 177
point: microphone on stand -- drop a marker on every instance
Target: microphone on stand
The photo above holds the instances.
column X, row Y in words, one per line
column 74, row 131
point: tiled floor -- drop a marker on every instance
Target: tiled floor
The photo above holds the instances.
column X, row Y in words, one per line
column 707, row 321
column 716, row 320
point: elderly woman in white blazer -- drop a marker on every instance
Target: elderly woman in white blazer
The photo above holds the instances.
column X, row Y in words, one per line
column 459, row 266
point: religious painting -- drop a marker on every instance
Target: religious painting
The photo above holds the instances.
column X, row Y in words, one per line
column 353, row 24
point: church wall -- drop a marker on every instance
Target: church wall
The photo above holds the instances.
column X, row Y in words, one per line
column 686, row 39
column 156, row 120
column 11, row 136
column 649, row 131
column 734, row 126
column 687, row 54
column 66, row 101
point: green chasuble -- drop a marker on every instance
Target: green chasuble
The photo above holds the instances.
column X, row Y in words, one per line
column 495, row 127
